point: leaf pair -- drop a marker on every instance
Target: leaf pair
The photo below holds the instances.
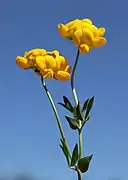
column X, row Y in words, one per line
column 80, row 113
column 78, row 116
column 83, row 163
column 73, row 122
column 76, row 111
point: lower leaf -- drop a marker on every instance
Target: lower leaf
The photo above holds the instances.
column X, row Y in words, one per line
column 83, row 163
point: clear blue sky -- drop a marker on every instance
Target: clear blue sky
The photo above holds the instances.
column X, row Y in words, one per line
column 29, row 137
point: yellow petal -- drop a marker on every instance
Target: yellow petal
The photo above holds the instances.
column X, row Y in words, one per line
column 23, row 62
column 25, row 54
column 50, row 62
column 58, row 63
column 56, row 53
column 90, row 27
column 87, row 21
column 94, row 30
column 77, row 37
column 71, row 23
column 83, row 48
column 62, row 75
column 101, row 31
column 75, row 26
column 35, row 52
column 63, row 30
column 47, row 74
column 87, row 36
column 63, row 63
column 40, row 63
column 99, row 41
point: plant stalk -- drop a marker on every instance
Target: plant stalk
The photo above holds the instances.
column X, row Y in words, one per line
column 76, row 103
column 79, row 174
column 80, row 144
column 72, row 78
column 56, row 114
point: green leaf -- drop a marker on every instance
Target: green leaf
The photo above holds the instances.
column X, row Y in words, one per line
column 74, row 112
column 79, row 112
column 63, row 105
column 67, row 104
column 89, row 107
column 65, row 153
column 85, row 105
column 74, row 155
column 72, row 122
column 65, row 150
column 83, row 163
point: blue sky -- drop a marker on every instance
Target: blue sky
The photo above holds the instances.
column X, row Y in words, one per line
column 29, row 137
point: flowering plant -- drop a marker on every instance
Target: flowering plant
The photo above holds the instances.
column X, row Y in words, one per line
column 48, row 65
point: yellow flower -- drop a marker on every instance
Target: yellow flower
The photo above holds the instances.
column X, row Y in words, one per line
column 84, row 34
column 53, row 65
column 46, row 64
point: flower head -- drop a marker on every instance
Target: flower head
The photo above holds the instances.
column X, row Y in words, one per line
column 46, row 64
column 84, row 34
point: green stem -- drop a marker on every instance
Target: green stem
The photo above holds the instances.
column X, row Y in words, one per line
column 56, row 113
column 72, row 78
column 80, row 144
column 76, row 102
column 79, row 175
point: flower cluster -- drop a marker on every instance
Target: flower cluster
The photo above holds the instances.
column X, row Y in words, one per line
column 46, row 64
column 84, row 34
